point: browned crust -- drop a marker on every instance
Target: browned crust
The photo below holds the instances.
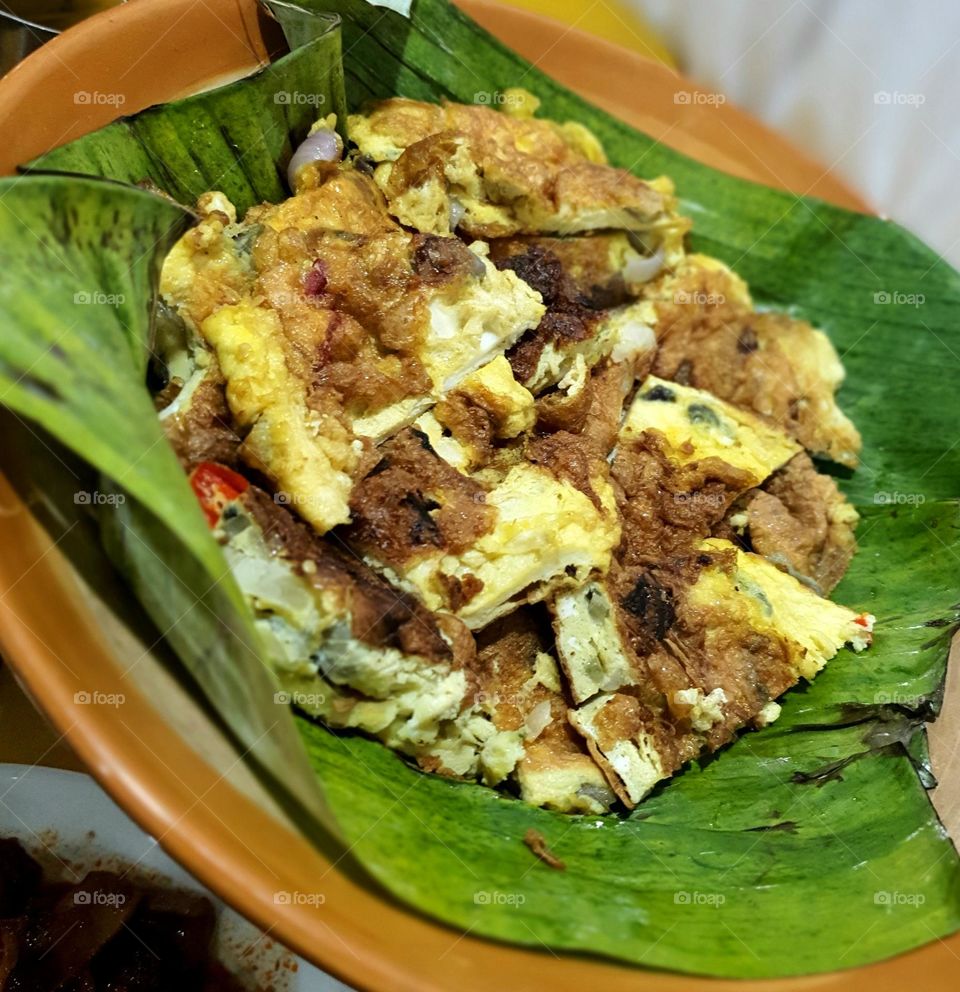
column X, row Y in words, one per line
column 381, row 615
column 519, row 159
column 567, row 319
column 666, row 507
column 413, row 503
column 585, row 260
column 802, row 517
column 710, row 338
column 570, row 460
column 203, row 430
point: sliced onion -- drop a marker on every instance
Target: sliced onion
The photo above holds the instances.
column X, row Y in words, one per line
column 635, row 338
column 640, row 269
column 538, row 719
column 321, row 146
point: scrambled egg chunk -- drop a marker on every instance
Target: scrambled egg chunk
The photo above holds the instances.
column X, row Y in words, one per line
column 697, row 425
column 545, row 533
column 488, row 391
column 740, row 633
column 490, row 174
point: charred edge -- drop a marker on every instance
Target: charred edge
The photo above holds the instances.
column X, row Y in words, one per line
column 424, row 440
column 424, row 529
column 652, row 605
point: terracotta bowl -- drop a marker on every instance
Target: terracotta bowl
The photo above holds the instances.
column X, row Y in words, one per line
column 67, row 626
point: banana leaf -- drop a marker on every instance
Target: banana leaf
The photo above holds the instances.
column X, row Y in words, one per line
column 717, row 871
column 236, row 138
column 80, row 260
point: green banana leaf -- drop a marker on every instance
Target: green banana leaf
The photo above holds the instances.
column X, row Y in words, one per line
column 235, row 138
column 717, row 871
column 80, row 260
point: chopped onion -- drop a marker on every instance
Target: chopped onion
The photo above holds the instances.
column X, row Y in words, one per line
column 538, row 719
column 640, row 269
column 635, row 339
column 321, row 146
column 457, row 210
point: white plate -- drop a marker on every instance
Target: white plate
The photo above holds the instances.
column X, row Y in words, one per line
column 69, row 824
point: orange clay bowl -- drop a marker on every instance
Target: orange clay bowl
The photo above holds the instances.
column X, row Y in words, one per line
column 160, row 754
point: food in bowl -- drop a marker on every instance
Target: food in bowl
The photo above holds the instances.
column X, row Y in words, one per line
column 509, row 479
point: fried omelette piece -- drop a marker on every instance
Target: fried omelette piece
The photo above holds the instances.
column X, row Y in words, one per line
column 800, row 521
column 481, row 548
column 572, row 336
column 354, row 652
column 606, row 268
column 489, row 406
column 709, row 336
column 694, row 652
column 189, row 393
column 688, row 638
column 519, row 685
column 682, row 459
column 210, row 266
column 698, row 425
column 488, row 174
column 434, row 307
column 349, row 649
column 347, row 328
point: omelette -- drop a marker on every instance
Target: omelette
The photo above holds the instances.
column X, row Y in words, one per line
column 509, row 480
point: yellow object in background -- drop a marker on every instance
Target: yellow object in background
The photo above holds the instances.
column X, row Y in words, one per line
column 613, row 20
column 608, row 19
